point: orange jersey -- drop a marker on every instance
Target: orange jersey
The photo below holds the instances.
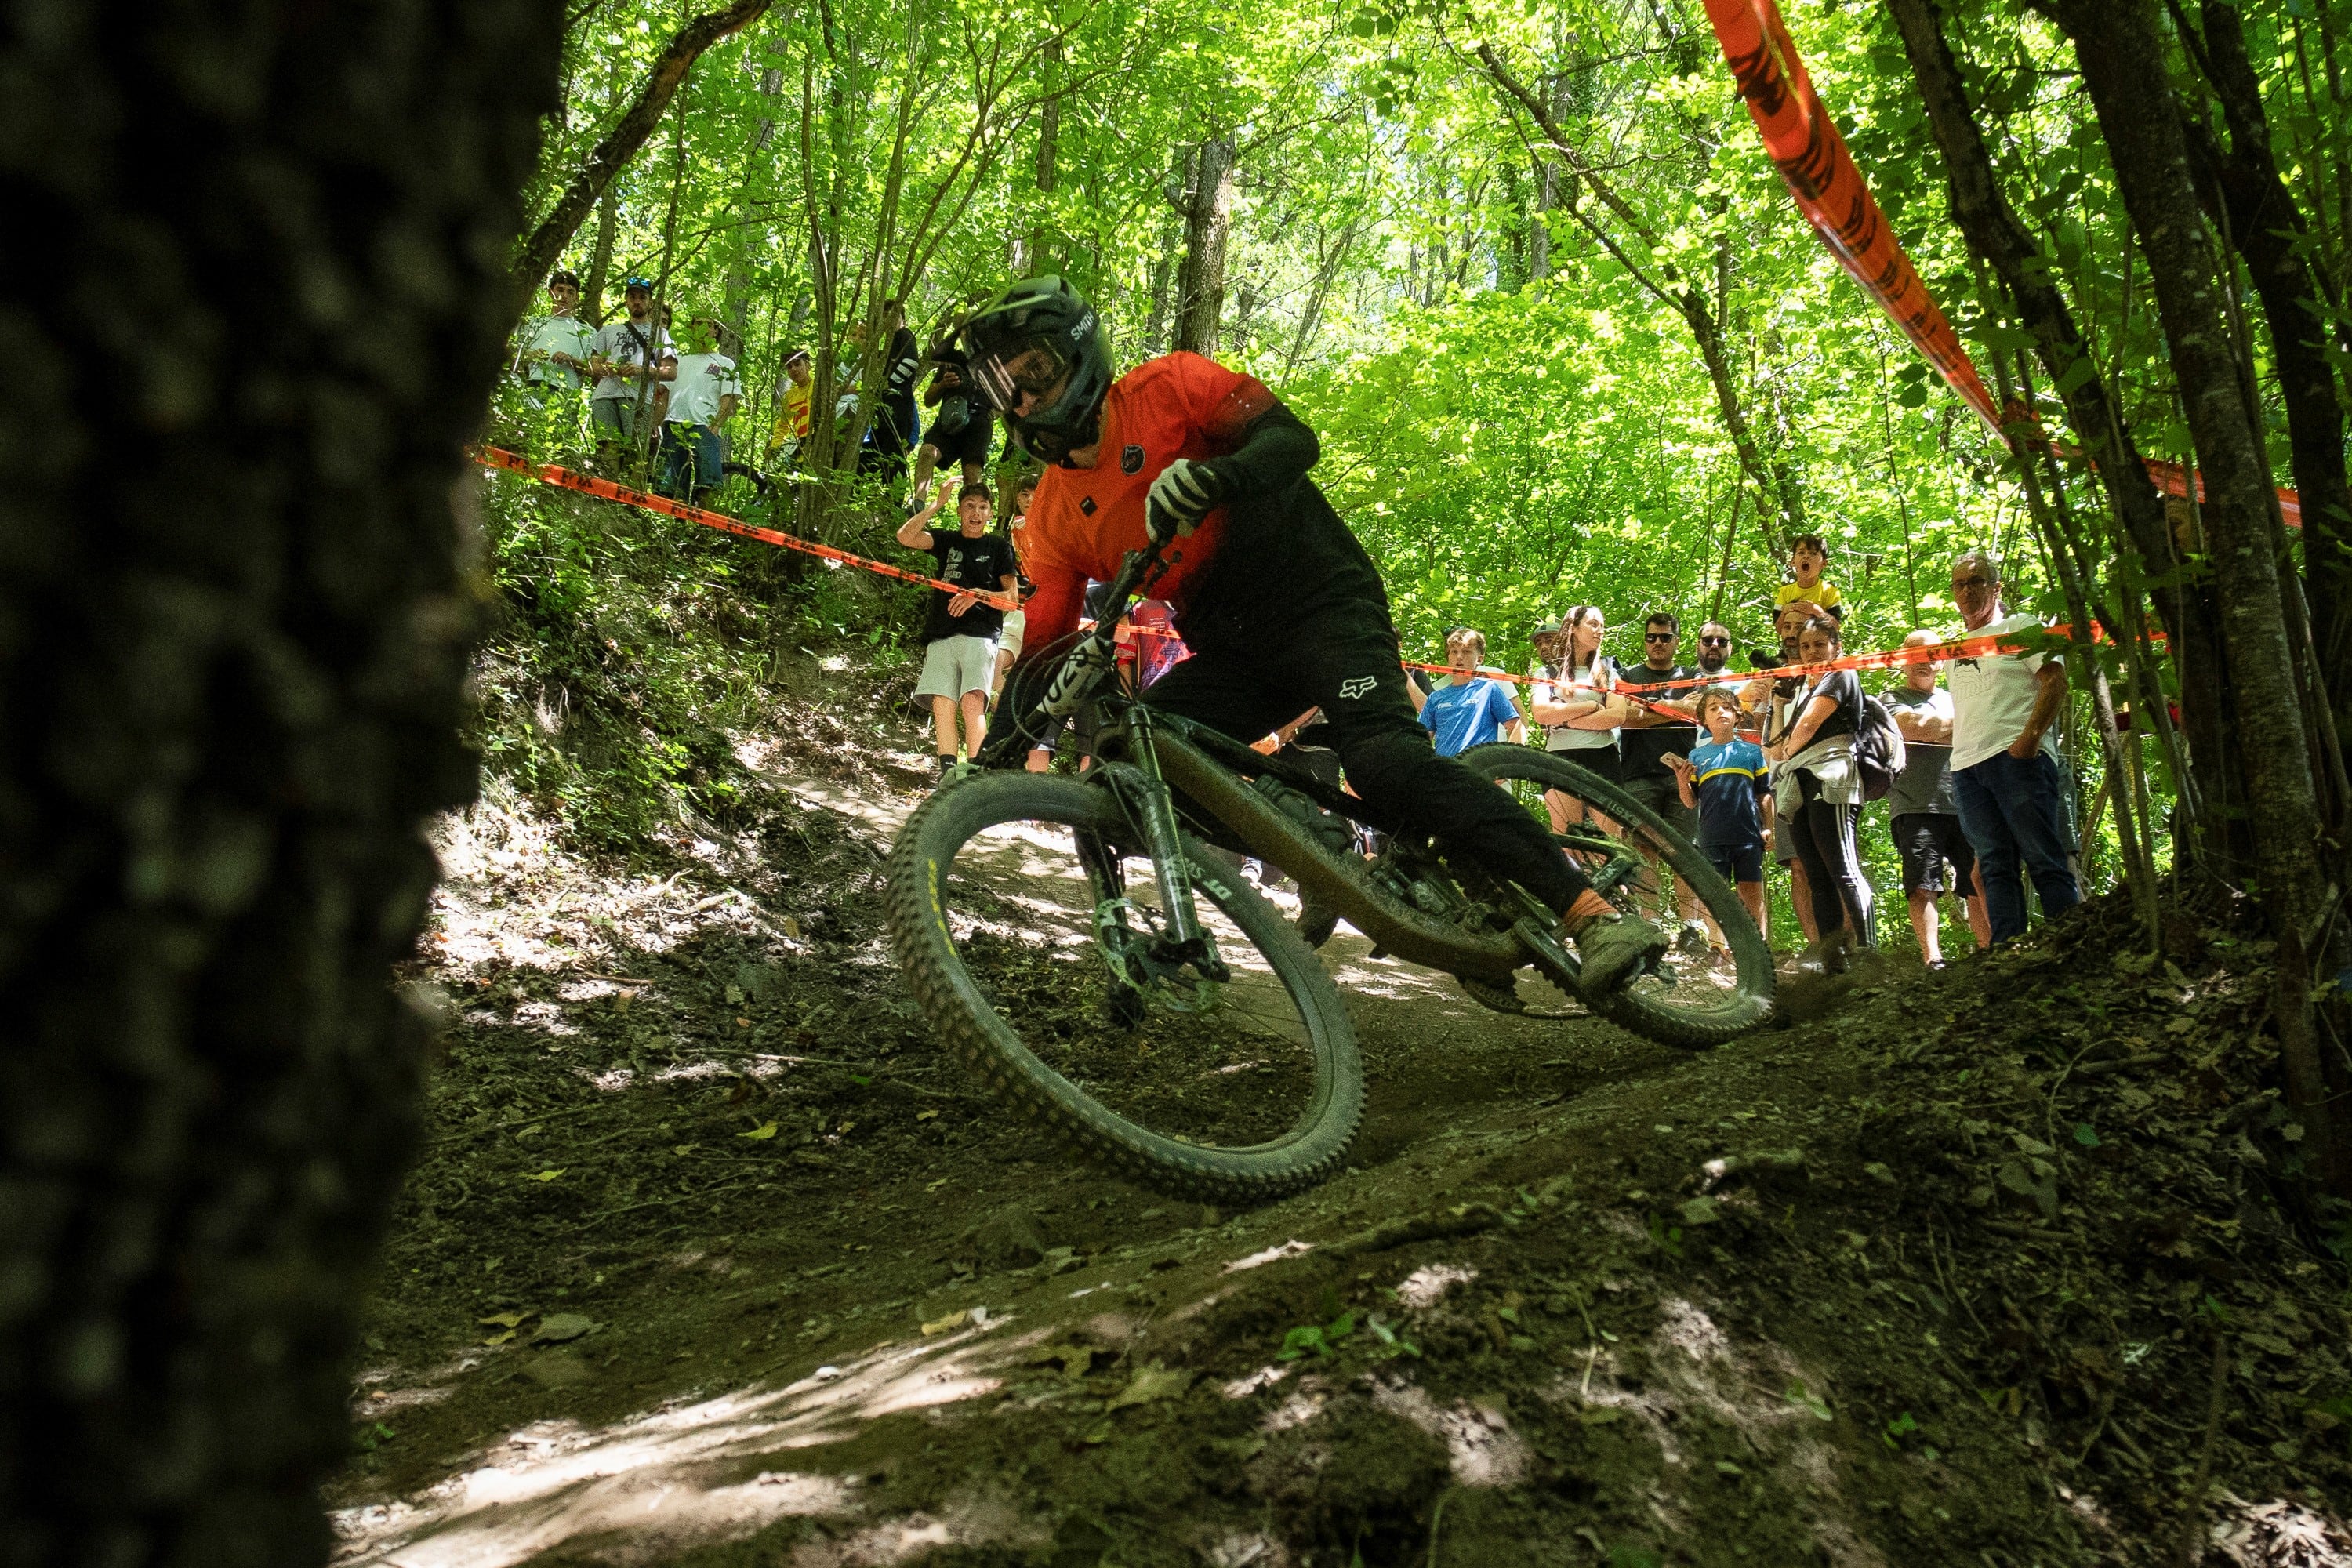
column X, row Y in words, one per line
column 1084, row 519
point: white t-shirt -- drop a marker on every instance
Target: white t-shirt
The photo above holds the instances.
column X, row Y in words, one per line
column 623, row 341
column 1993, row 695
column 1598, row 676
column 558, row 335
column 702, row 380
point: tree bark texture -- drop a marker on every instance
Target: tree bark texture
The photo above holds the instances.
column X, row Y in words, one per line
column 540, row 252
column 2124, row 70
column 1208, row 212
column 1049, row 145
column 2267, row 227
column 274, row 243
column 600, row 260
column 1993, row 230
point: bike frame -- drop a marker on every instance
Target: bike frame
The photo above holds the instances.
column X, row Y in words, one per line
column 1149, row 759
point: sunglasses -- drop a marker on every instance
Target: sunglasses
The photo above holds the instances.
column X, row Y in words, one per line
column 1715, row 642
column 1660, row 637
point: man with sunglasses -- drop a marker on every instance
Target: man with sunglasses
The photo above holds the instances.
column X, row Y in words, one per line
column 1281, row 606
column 1649, row 735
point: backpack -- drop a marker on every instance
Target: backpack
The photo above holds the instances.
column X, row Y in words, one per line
column 1879, row 756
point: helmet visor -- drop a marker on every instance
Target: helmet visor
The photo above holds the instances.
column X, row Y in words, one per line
column 1033, row 366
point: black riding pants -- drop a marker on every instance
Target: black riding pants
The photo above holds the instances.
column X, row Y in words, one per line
column 1343, row 660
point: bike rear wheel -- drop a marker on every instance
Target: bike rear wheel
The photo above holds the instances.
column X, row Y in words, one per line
column 999, row 888
column 1695, row 1000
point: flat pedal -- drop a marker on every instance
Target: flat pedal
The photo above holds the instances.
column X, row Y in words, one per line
column 1501, row 998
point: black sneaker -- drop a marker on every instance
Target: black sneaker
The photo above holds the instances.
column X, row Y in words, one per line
column 1613, row 950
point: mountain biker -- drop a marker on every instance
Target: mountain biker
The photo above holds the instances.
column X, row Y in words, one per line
column 1280, row 604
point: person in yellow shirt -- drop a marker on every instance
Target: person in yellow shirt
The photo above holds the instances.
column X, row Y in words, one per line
column 793, row 419
column 1807, row 559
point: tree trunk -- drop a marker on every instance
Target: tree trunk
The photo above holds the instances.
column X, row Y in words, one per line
column 600, row 260
column 230, row 692
column 1049, row 142
column 2267, row 226
column 1539, row 230
column 1982, row 212
column 2124, row 70
column 539, row 253
column 735, row 310
column 1164, row 272
column 1208, row 210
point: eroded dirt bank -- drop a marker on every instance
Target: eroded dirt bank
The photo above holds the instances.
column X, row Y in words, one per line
column 713, row 1258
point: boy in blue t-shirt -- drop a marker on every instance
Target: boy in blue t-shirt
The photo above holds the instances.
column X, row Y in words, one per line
column 1724, row 779
column 1469, row 709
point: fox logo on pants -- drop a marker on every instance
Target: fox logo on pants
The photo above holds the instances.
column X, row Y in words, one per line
column 1356, row 686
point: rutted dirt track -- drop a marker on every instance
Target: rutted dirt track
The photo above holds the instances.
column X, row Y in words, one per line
column 713, row 1257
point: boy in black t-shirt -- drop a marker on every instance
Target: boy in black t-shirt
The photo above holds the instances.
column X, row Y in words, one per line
column 959, row 631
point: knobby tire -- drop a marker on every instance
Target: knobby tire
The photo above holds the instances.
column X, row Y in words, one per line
column 953, row 1001
column 1748, row 1002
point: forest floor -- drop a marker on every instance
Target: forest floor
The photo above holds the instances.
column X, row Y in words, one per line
column 713, row 1257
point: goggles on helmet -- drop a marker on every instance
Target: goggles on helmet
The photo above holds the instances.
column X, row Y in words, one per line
column 1034, row 367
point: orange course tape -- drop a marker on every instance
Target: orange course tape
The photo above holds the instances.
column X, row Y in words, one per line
column 1829, row 190
column 605, row 489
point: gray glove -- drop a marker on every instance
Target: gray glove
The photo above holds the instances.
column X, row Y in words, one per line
column 1180, row 497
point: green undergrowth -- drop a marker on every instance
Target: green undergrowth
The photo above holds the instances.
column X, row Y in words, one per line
column 626, row 655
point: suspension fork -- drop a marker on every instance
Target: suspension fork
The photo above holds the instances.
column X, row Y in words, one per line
column 1153, row 805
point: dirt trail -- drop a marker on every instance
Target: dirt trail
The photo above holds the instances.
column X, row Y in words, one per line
column 767, row 1284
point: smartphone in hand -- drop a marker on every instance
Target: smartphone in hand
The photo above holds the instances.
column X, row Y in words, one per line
column 1676, row 763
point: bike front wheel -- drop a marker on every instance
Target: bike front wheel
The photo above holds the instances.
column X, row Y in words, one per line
column 1717, row 983
column 1019, row 905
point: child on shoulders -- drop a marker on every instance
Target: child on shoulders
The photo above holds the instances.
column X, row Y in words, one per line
column 1807, row 558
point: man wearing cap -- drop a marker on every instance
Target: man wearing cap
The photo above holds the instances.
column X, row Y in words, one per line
column 554, row 359
column 627, row 361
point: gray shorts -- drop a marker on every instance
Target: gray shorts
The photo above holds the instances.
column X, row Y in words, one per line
column 954, row 666
column 615, row 418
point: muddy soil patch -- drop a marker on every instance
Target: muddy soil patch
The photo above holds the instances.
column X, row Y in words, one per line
column 713, row 1258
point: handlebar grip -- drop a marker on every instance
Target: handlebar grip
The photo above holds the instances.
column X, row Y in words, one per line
column 1158, row 522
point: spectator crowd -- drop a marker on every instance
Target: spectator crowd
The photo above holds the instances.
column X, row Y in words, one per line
column 1765, row 775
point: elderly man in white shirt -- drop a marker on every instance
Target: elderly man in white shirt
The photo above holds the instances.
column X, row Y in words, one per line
column 2005, row 775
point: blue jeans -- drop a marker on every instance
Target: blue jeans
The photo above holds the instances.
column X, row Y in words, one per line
column 2010, row 810
column 691, row 456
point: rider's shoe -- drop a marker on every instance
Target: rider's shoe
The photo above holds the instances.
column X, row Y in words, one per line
column 1614, row 949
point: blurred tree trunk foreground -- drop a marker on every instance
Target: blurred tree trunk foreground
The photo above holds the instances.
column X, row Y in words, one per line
column 271, row 246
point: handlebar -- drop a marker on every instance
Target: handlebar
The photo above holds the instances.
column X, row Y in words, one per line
column 1085, row 667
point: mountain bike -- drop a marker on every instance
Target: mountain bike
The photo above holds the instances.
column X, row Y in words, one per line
column 1087, row 945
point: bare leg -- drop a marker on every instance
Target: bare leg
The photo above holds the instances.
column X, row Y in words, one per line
column 996, row 680
column 927, row 458
column 974, row 472
column 1980, row 917
column 975, row 721
column 1927, row 921
column 943, row 725
column 1752, row 895
column 1041, row 761
column 1566, row 810
column 1801, row 893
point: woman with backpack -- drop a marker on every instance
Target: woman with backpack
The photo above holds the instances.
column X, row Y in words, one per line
column 1817, row 793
